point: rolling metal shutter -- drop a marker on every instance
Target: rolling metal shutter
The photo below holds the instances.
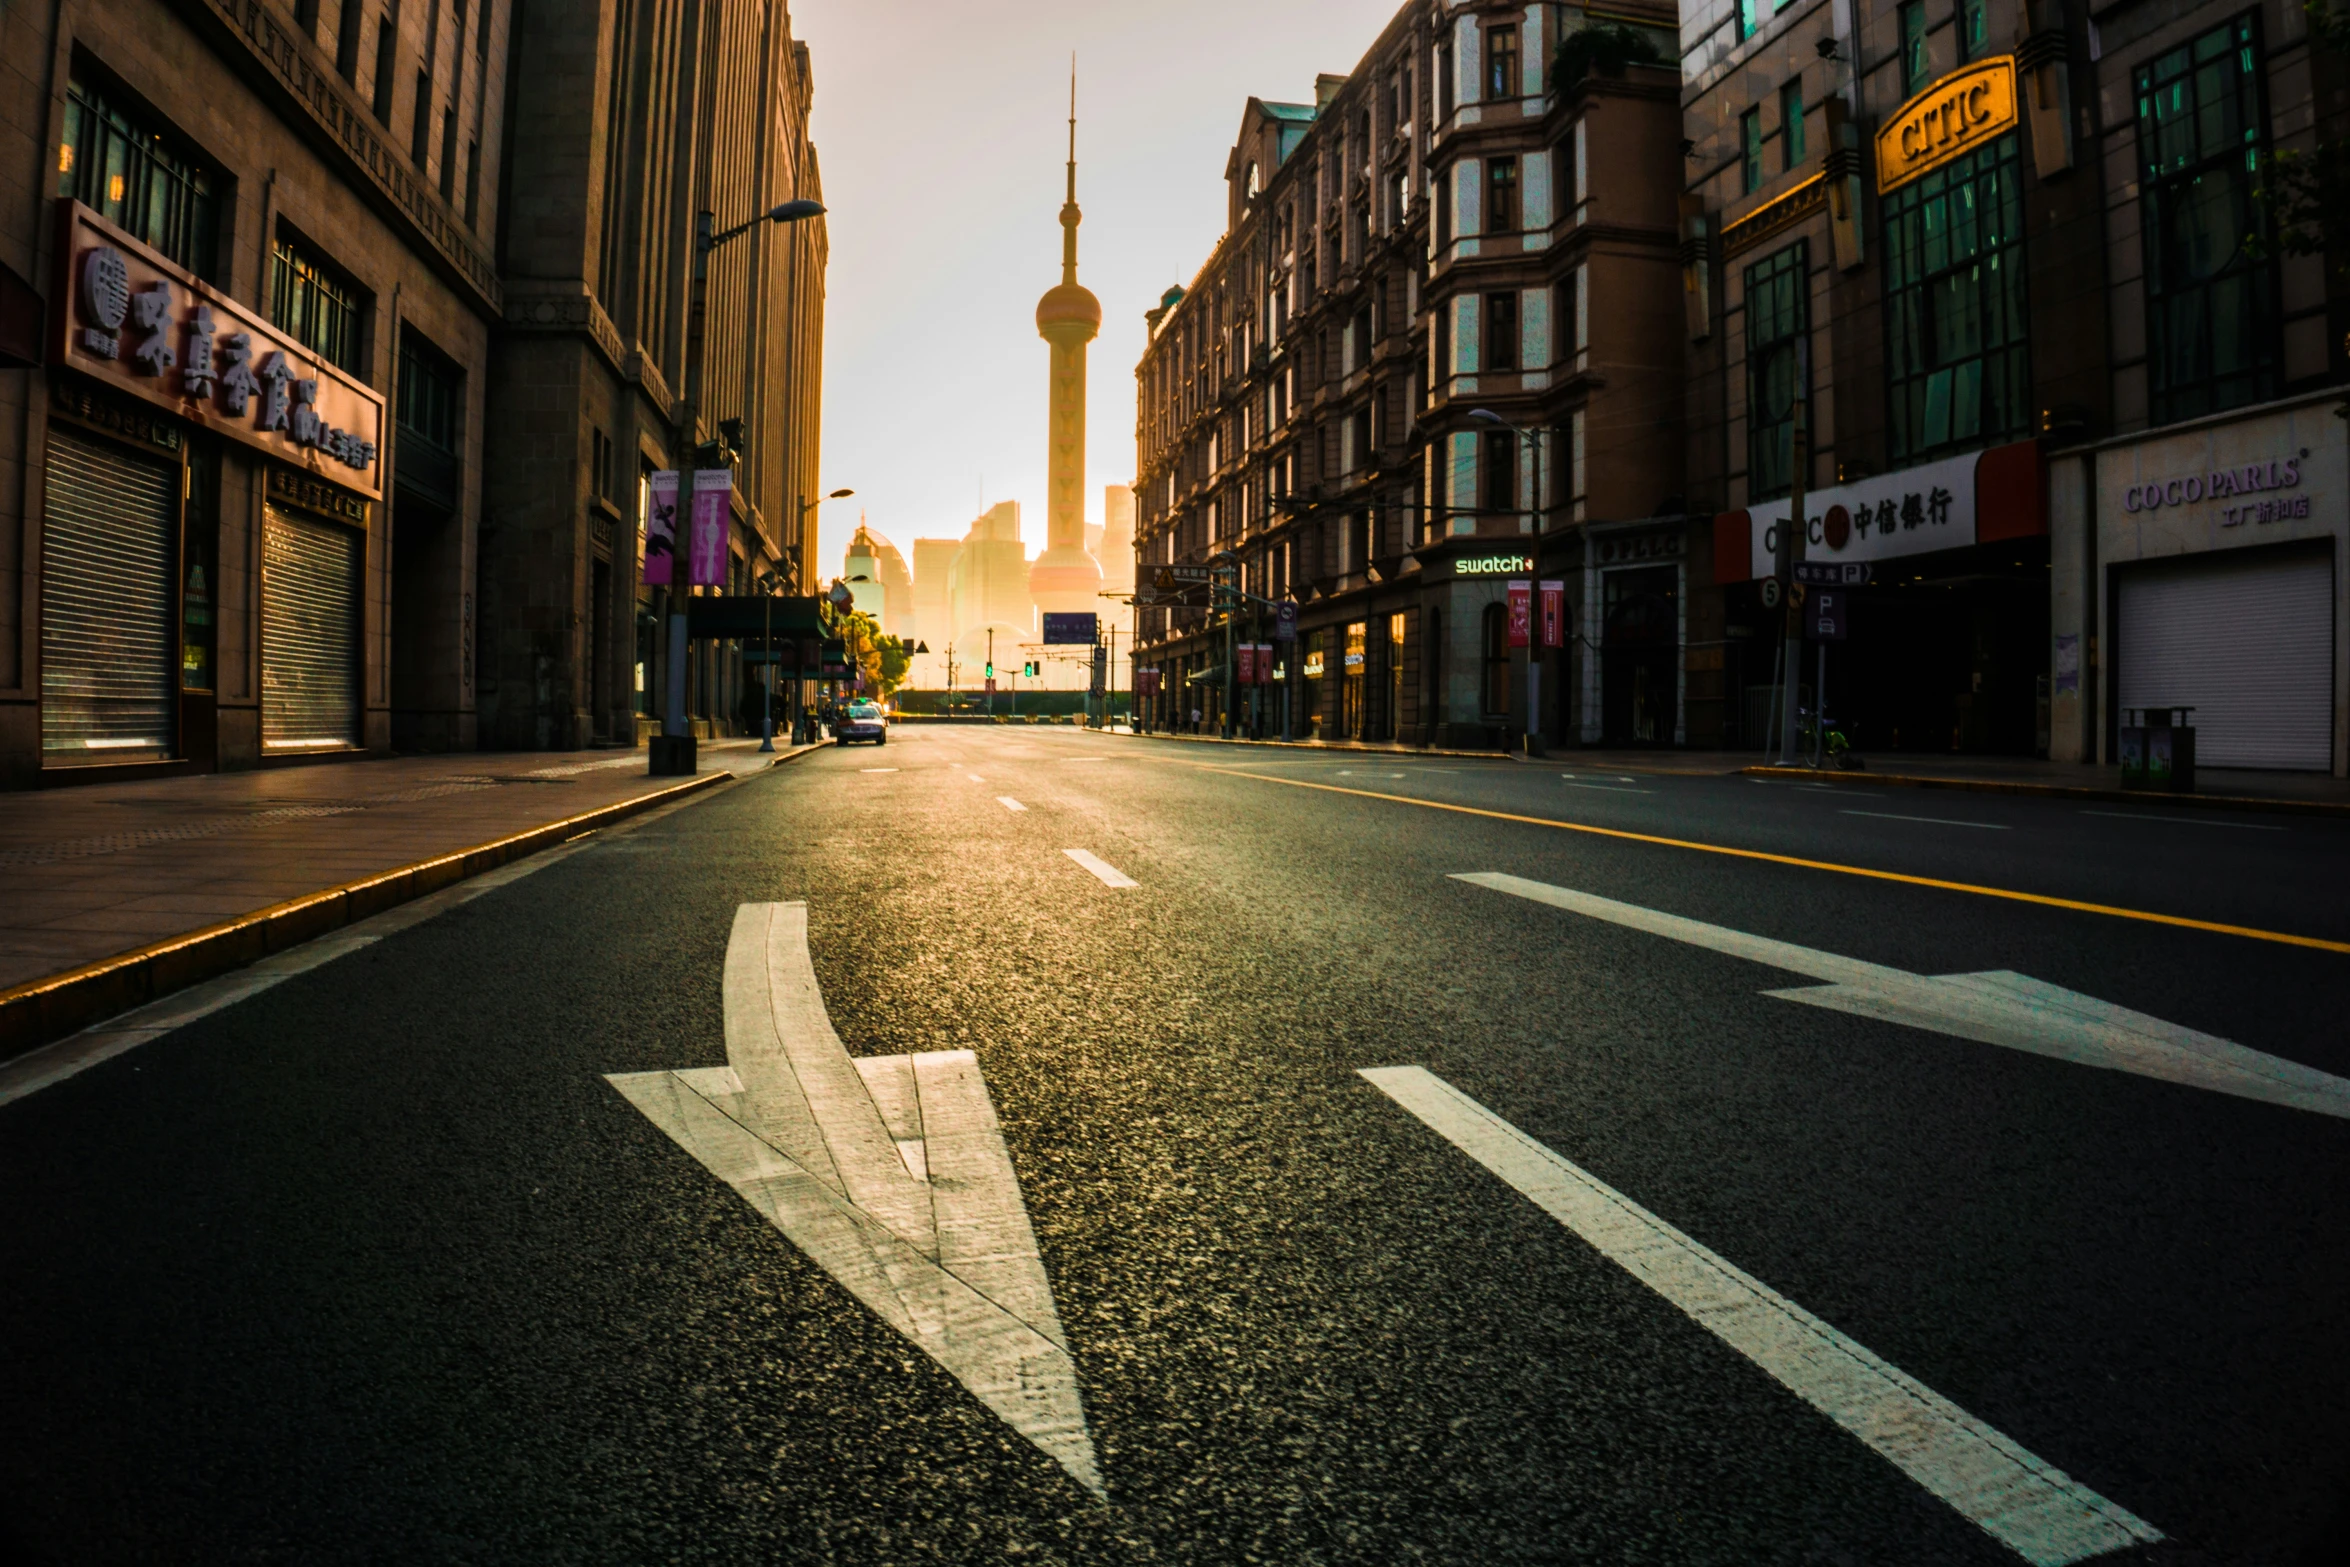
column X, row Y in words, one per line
column 309, row 634
column 109, row 553
column 2248, row 641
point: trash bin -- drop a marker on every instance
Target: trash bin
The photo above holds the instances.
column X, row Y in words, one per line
column 2158, row 749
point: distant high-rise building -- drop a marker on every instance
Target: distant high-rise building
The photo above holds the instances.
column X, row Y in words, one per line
column 879, row 580
column 1065, row 577
column 1117, row 539
column 987, row 587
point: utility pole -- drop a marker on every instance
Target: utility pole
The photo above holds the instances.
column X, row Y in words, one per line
column 1792, row 535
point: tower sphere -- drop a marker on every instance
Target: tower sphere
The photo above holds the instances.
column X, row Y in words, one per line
column 1066, row 306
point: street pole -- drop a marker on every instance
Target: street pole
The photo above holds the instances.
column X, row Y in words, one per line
column 767, row 647
column 1231, row 655
column 1791, row 541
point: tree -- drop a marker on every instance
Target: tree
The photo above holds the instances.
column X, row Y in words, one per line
column 2306, row 191
column 881, row 658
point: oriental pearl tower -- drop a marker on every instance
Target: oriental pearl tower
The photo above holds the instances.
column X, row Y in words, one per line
column 1065, row 577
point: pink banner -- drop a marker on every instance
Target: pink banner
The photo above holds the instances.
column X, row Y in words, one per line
column 660, row 526
column 1248, row 663
column 1554, row 614
column 713, row 508
column 1521, row 614
column 1264, row 663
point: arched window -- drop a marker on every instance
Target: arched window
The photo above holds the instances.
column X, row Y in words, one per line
column 1497, row 659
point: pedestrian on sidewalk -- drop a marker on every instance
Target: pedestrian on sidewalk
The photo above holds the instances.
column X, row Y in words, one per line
column 1195, row 720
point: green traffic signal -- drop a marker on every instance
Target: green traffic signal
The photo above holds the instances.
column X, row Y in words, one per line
column 991, row 671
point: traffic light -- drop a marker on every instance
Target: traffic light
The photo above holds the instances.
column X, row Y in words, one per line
column 991, row 671
column 1028, row 670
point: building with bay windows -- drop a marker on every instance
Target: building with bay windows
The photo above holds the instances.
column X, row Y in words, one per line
column 234, row 519
column 1437, row 351
column 2066, row 401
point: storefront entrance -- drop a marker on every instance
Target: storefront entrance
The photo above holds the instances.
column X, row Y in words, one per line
column 309, row 634
column 110, row 562
column 1639, row 655
column 1945, row 652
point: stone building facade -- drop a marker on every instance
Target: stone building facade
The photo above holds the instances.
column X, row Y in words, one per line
column 630, row 117
column 1436, row 352
column 237, row 478
column 2000, row 247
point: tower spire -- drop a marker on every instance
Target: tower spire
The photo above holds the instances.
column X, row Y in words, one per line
column 1070, row 216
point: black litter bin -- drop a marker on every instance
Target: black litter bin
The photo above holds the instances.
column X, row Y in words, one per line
column 2158, row 749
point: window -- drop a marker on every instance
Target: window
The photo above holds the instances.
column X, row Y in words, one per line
column 449, row 153
column 386, row 61
column 1567, row 330
column 1914, row 58
column 1501, row 195
column 1791, row 125
column 1496, row 685
column 1444, row 79
column 1497, row 458
column 1957, row 366
column 1776, row 320
column 431, row 398
column 420, row 134
column 2210, row 307
column 313, row 302
column 130, row 173
column 347, row 41
column 1743, row 22
column 1750, row 150
column 600, row 463
column 1974, row 28
column 1501, row 331
column 1501, row 62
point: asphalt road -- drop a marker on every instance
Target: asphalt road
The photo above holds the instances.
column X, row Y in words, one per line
column 376, row 1266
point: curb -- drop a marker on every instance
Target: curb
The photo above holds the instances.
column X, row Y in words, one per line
column 1341, row 748
column 42, row 1010
column 2218, row 802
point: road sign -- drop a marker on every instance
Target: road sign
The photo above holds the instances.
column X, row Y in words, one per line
column 1773, row 591
column 1083, row 629
column 1183, row 575
column 1285, row 623
column 1834, row 573
column 842, row 1154
column 1824, row 615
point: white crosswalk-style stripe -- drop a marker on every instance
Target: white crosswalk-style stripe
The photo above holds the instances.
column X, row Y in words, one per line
column 1994, row 1008
column 1008, row 803
column 2030, row 1506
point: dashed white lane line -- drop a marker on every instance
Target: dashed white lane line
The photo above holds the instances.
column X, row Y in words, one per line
column 1610, row 778
column 1110, row 875
column 1008, row 803
column 2024, row 1502
column 1571, row 782
column 1939, row 821
column 2192, row 821
column 975, row 778
column 877, row 769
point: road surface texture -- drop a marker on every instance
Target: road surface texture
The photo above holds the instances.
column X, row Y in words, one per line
column 1683, row 1216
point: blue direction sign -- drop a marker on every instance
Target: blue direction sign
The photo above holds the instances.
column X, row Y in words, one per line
column 1834, row 573
column 1285, row 623
column 1082, row 629
column 1824, row 615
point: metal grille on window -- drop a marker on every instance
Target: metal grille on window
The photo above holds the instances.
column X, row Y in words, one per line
column 109, row 556
column 309, row 634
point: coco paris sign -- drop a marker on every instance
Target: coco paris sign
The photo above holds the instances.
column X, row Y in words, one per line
column 2255, row 492
column 140, row 324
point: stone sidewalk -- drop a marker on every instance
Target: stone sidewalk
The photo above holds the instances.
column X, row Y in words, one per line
column 93, row 872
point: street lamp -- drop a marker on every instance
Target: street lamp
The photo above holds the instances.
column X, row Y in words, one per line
column 672, row 751
column 1529, row 682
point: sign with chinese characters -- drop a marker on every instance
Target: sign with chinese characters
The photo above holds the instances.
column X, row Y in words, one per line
column 1082, row 628
column 1247, row 653
column 1912, row 512
column 1554, row 614
column 1948, row 120
column 129, row 318
column 2254, row 493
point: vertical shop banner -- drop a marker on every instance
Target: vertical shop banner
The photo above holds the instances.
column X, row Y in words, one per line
column 1521, row 614
column 660, row 526
column 1264, row 663
column 1248, row 663
column 1554, row 614
column 713, row 510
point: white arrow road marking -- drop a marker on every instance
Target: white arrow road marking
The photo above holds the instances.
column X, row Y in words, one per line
column 1110, row 874
column 1008, row 803
column 1993, row 1008
column 889, row 1171
column 2025, row 1503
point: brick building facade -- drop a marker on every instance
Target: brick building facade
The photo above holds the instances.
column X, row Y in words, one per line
column 237, row 467
column 1437, row 350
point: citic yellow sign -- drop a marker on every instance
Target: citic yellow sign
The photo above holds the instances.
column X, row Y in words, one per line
column 1948, row 120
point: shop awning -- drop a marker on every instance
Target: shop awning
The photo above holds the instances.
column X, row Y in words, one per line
column 1213, row 675
column 750, row 616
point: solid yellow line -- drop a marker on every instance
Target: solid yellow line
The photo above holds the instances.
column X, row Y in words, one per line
column 2282, row 938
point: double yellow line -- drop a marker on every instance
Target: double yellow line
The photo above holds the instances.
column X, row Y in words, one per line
column 2144, row 916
